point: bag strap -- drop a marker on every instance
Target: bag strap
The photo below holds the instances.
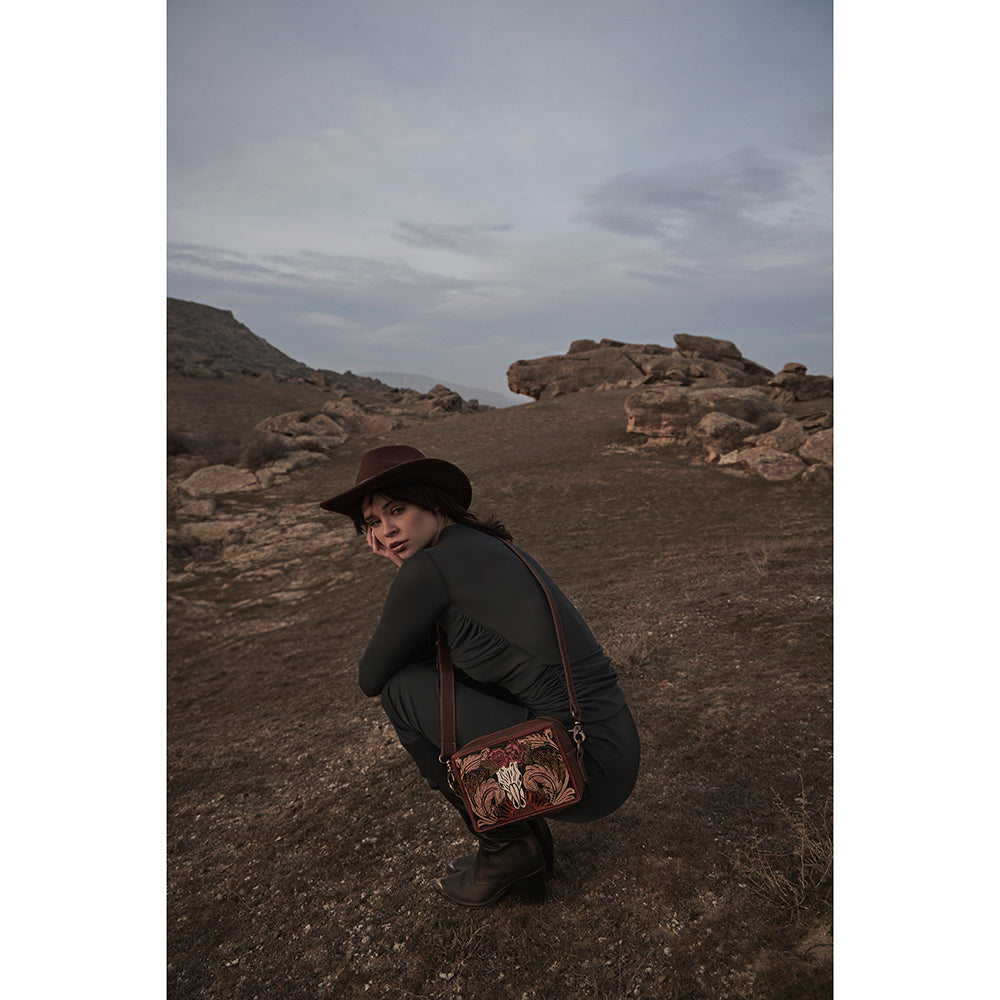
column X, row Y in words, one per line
column 445, row 669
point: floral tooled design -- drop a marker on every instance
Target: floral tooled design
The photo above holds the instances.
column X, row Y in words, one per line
column 547, row 783
column 501, row 780
column 488, row 800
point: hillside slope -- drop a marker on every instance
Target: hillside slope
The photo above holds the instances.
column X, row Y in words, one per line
column 302, row 843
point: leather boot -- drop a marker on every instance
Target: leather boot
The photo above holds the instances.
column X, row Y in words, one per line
column 538, row 827
column 508, row 858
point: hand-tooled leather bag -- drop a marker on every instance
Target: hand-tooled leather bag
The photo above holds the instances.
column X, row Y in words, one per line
column 527, row 770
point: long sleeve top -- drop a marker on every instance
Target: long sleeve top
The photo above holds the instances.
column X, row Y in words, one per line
column 498, row 625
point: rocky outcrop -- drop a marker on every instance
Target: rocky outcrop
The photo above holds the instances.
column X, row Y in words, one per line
column 741, row 429
column 216, row 480
column 615, row 364
column 702, row 393
column 792, row 384
column 671, row 411
column 219, row 479
column 287, row 441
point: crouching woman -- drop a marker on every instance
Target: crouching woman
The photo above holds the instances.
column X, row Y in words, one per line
column 455, row 572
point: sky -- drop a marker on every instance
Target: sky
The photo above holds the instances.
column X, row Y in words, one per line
column 446, row 187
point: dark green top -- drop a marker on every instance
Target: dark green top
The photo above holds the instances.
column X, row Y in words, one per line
column 498, row 625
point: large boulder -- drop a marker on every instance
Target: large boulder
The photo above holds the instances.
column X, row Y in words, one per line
column 787, row 436
column 818, row 448
column 707, row 347
column 589, row 368
column 769, row 463
column 721, row 433
column 316, row 431
column 441, row 401
column 360, row 421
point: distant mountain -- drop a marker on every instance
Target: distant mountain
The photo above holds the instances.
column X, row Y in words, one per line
column 424, row 383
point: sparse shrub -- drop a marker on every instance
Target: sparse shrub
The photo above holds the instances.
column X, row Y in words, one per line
column 220, row 449
column 179, row 442
column 628, row 649
column 184, row 549
column 263, row 449
column 792, row 870
column 759, row 557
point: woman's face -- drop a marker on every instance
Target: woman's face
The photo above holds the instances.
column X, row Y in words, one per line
column 402, row 527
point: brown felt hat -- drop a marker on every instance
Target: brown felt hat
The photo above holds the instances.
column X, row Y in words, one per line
column 399, row 463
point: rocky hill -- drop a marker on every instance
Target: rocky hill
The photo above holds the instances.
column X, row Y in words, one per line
column 202, row 340
column 236, row 404
column 205, row 342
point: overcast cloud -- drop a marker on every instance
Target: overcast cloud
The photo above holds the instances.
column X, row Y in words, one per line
column 446, row 187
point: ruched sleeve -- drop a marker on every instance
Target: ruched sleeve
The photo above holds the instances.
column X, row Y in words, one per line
column 417, row 596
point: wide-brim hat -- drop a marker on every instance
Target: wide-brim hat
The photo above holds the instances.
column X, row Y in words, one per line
column 399, row 463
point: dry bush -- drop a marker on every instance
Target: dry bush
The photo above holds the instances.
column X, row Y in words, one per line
column 628, row 648
column 791, row 869
column 179, row 442
column 263, row 449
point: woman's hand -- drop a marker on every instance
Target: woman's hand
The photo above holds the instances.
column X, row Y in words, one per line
column 379, row 549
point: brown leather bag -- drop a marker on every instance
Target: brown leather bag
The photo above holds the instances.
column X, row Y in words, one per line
column 515, row 774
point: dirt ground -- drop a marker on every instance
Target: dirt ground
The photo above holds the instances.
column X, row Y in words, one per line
column 301, row 841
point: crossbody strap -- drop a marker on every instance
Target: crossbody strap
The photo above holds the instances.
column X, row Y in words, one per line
column 446, row 671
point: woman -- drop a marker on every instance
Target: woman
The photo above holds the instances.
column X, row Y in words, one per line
column 455, row 571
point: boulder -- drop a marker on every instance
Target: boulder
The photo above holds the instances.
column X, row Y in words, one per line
column 769, row 463
column 357, row 420
column 315, row 432
column 322, row 425
column 818, row 448
column 721, row 433
column 214, row 479
column 818, row 473
column 290, row 424
column 443, row 400
column 707, row 347
column 594, row 368
column 213, row 531
column 198, row 508
column 787, row 436
column 792, row 384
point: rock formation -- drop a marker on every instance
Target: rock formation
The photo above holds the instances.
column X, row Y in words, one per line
column 615, row 364
column 703, row 393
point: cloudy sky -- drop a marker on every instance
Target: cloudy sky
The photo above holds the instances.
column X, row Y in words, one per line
column 446, row 186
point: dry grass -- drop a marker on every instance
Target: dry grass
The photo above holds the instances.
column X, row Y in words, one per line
column 790, row 867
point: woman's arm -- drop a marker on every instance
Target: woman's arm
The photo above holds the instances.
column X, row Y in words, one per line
column 417, row 596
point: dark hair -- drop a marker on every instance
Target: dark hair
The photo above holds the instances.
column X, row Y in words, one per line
column 433, row 499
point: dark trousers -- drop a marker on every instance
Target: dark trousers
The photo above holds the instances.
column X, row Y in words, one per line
column 412, row 701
